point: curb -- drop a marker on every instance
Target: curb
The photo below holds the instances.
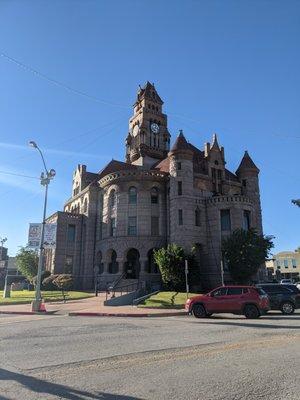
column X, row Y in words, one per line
column 29, row 312
column 141, row 315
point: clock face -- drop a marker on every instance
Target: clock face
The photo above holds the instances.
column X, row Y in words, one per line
column 154, row 128
column 135, row 130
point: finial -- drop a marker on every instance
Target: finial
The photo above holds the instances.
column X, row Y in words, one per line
column 180, row 132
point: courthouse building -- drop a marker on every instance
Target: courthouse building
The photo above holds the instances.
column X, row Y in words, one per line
column 159, row 194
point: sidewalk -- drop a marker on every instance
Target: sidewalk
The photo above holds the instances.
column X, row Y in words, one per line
column 92, row 307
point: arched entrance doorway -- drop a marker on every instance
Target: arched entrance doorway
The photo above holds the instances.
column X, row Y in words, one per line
column 132, row 264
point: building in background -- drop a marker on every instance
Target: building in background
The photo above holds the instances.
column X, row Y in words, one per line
column 285, row 264
column 117, row 216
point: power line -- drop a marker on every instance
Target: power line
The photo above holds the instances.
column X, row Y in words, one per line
column 58, row 83
column 24, row 176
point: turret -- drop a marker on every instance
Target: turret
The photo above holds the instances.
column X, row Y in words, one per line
column 216, row 164
column 181, row 188
column 247, row 173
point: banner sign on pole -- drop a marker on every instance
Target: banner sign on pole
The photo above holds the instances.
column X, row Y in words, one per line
column 34, row 235
column 50, row 236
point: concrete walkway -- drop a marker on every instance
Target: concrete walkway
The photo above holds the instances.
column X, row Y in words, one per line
column 92, row 306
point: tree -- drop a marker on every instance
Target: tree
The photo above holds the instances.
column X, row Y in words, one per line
column 170, row 261
column 63, row 282
column 296, row 202
column 27, row 263
column 245, row 251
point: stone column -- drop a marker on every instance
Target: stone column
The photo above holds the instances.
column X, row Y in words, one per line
column 120, row 261
column 105, row 265
column 143, row 270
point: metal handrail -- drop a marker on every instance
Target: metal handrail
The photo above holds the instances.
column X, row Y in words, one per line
column 125, row 289
column 116, row 282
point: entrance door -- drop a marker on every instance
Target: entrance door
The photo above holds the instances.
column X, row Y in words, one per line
column 132, row 265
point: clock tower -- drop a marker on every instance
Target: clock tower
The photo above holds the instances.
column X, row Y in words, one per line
column 148, row 138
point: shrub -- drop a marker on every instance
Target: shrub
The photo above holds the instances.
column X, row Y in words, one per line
column 63, row 281
column 48, row 283
column 44, row 275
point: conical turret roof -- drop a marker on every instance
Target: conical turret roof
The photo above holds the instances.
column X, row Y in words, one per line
column 215, row 144
column 247, row 164
column 180, row 143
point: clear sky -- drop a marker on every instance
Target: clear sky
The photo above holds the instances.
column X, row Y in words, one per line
column 230, row 67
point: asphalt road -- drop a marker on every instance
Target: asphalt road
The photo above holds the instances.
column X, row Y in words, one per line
column 225, row 357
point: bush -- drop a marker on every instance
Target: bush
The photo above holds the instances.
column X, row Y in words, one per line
column 45, row 275
column 48, row 284
column 63, row 281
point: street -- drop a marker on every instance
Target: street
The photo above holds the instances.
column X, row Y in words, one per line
column 225, row 357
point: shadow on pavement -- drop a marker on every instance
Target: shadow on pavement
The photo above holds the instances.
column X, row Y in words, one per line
column 251, row 324
column 43, row 387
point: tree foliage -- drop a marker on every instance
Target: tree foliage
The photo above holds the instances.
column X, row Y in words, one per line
column 27, row 263
column 63, row 281
column 170, row 261
column 245, row 251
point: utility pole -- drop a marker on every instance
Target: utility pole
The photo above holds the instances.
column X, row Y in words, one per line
column 45, row 178
column 186, row 270
column 6, row 291
column 222, row 272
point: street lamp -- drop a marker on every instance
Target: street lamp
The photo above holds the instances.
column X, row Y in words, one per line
column 45, row 178
column 6, row 291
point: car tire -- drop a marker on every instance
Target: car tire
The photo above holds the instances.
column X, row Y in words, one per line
column 199, row 311
column 287, row 308
column 209, row 314
column 251, row 312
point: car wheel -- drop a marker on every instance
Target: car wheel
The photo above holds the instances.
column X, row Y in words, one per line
column 199, row 311
column 209, row 314
column 287, row 308
column 251, row 312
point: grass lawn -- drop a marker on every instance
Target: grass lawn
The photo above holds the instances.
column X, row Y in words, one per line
column 166, row 300
column 26, row 296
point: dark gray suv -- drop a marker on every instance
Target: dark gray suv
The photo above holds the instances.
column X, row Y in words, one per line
column 281, row 297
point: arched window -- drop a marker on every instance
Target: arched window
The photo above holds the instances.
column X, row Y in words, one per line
column 154, row 195
column 85, row 206
column 112, row 198
column 132, row 195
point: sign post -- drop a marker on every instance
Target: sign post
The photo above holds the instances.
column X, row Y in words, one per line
column 186, row 270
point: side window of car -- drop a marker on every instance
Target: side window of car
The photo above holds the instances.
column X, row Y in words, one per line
column 245, row 290
column 269, row 289
column 234, row 291
column 219, row 292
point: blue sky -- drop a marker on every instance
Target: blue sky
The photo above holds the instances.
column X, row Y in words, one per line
column 230, row 67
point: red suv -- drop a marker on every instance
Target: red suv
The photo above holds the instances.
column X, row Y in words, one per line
column 247, row 300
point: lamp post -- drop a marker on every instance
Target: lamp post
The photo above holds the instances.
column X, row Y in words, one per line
column 46, row 177
column 6, row 291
